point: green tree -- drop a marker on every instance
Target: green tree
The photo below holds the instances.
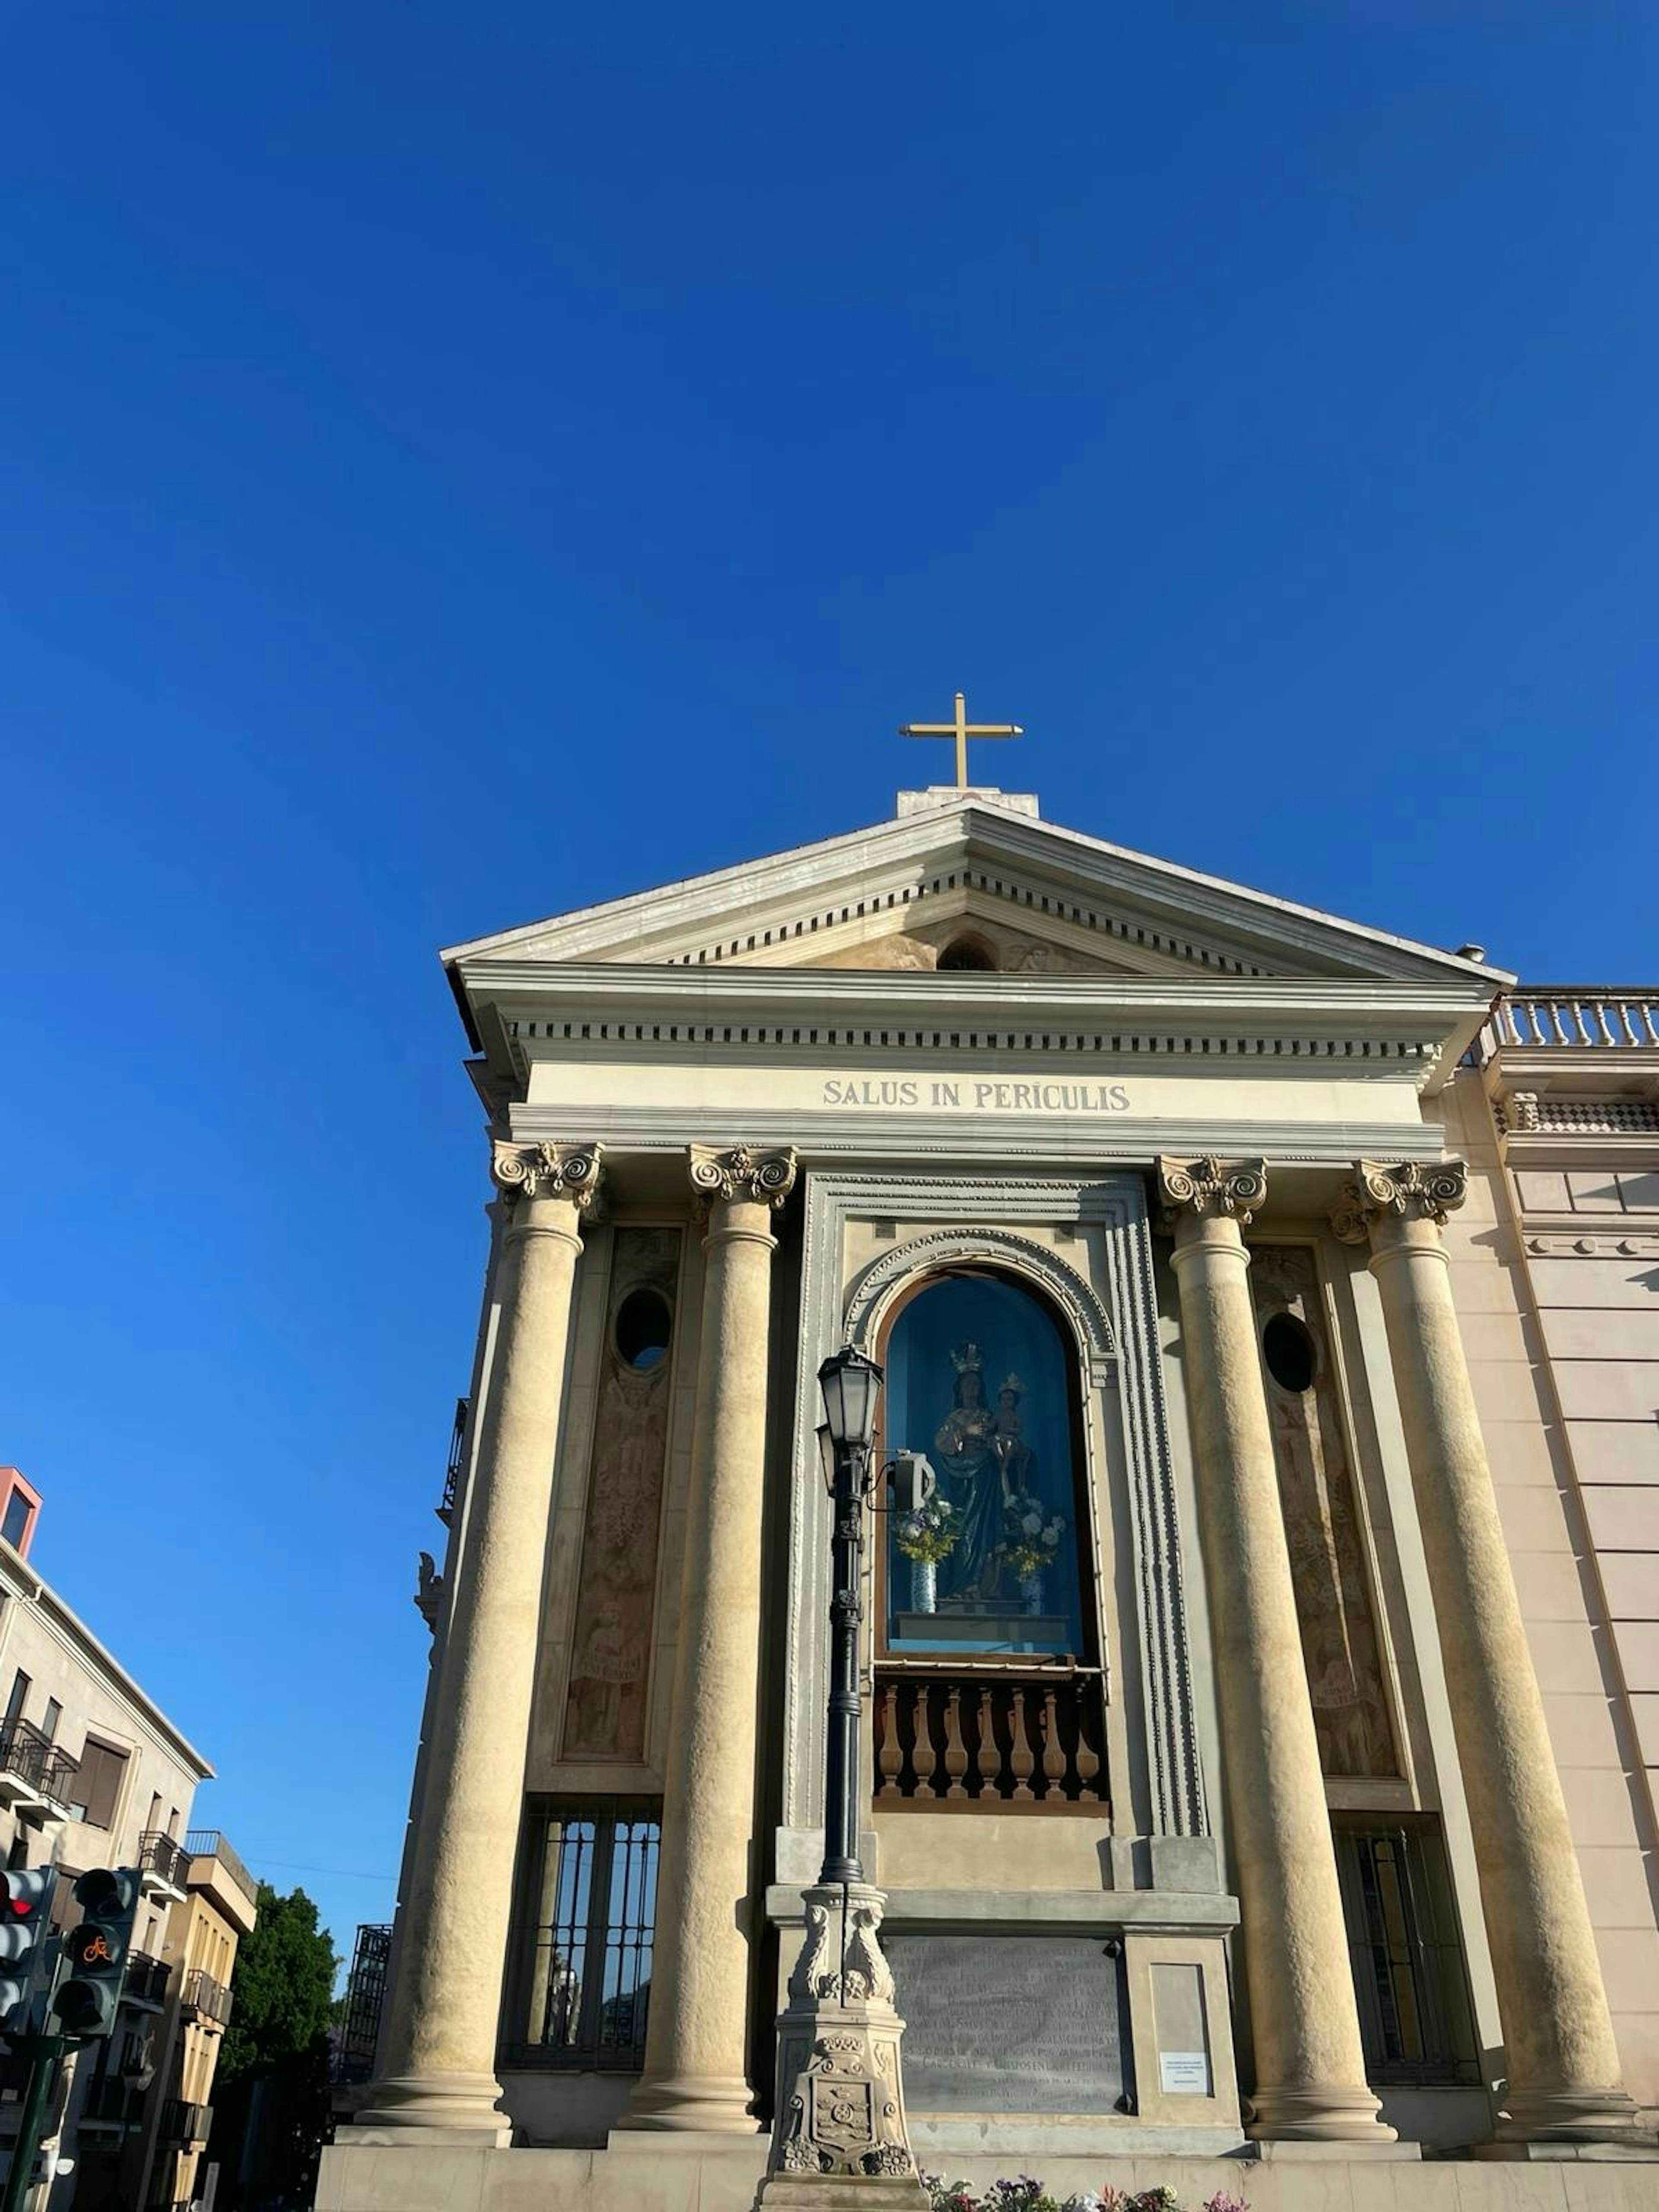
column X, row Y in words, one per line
column 270, row 2092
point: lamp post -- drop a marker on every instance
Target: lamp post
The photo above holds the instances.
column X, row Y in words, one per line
column 850, row 1385
column 840, row 2136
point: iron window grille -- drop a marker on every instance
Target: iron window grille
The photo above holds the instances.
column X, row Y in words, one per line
column 588, row 1923
column 1415, row 2018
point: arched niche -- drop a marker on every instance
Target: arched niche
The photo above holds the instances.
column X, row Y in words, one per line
column 1004, row 1250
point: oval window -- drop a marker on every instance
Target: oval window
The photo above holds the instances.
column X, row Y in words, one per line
column 1289, row 1351
column 644, row 1323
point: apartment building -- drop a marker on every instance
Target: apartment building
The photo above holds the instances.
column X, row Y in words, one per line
column 93, row 1773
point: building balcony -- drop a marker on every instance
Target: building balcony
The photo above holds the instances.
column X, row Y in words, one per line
column 205, row 1999
column 1570, row 1068
column 113, row 2103
column 163, row 1866
column 145, row 1984
column 184, row 2125
column 35, row 1776
column 352, row 2060
column 215, row 1870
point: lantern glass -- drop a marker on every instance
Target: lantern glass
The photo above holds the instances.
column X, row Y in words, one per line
column 850, row 1384
column 826, row 1456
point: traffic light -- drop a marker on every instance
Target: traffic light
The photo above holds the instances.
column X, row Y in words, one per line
column 95, row 1952
column 25, row 1923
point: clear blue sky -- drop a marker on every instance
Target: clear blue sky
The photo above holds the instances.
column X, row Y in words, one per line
column 461, row 462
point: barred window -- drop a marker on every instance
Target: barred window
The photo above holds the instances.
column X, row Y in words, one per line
column 1415, row 2018
column 589, row 1903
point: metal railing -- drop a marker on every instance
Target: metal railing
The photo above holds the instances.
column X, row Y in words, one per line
column 145, row 1981
column 160, row 1856
column 26, row 1752
column 182, row 2122
column 113, row 2101
column 203, row 1994
column 210, row 1843
column 1595, row 1015
column 951, row 1737
column 359, row 2030
column 452, row 1469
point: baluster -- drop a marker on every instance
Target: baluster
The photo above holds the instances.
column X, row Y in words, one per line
column 1647, row 1011
column 1609, row 1035
column 1021, row 1759
column 1054, row 1756
column 924, row 1757
column 987, row 1759
column 956, row 1752
column 890, row 1752
column 1088, row 1763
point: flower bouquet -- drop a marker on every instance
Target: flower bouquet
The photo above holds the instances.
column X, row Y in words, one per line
column 1031, row 1537
column 925, row 1534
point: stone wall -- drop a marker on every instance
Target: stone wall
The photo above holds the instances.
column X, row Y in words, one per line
column 1557, row 1292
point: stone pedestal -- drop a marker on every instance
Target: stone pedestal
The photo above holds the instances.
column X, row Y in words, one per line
column 840, row 2136
column 1562, row 2063
column 696, row 2056
column 1310, row 2066
column 438, row 2055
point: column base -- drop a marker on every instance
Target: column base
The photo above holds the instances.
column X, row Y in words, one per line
column 461, row 2110
column 1318, row 2115
column 700, row 2103
column 1566, row 2116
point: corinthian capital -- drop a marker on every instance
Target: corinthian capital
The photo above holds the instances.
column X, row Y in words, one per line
column 1416, row 1190
column 547, row 1170
column 1209, row 1186
column 742, row 1172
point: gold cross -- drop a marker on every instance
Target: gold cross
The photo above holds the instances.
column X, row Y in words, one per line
column 962, row 729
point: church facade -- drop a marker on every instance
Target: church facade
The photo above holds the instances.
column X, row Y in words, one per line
column 1260, row 1659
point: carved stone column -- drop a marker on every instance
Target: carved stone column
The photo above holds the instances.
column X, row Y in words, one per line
column 1563, row 2072
column 695, row 2055
column 438, row 2053
column 1310, row 2069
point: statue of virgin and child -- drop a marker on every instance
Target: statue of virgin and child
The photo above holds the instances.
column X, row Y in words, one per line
column 985, row 1465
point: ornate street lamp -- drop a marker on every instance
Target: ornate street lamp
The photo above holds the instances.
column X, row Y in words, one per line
column 850, row 1385
column 839, row 2135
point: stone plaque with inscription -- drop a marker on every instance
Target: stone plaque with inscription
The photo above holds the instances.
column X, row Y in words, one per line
column 1012, row 2023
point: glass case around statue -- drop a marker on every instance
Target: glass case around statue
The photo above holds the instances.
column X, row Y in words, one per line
column 978, row 1379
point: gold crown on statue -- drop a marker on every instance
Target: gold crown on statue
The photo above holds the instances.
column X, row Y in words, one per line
column 967, row 1357
column 1012, row 1382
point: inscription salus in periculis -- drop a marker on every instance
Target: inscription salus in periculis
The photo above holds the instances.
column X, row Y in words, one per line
column 970, row 1095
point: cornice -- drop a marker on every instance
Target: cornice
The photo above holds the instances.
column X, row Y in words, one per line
column 591, row 1010
column 967, row 1000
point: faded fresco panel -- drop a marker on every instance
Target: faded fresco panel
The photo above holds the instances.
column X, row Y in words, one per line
column 1316, row 1488
column 607, row 1711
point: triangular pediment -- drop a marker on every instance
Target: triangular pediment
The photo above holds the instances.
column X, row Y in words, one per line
column 1041, row 901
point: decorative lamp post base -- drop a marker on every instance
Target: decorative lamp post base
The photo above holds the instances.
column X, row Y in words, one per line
column 819, row 2192
column 841, row 2137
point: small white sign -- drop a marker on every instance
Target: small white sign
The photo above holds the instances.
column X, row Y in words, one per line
column 1184, row 2072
